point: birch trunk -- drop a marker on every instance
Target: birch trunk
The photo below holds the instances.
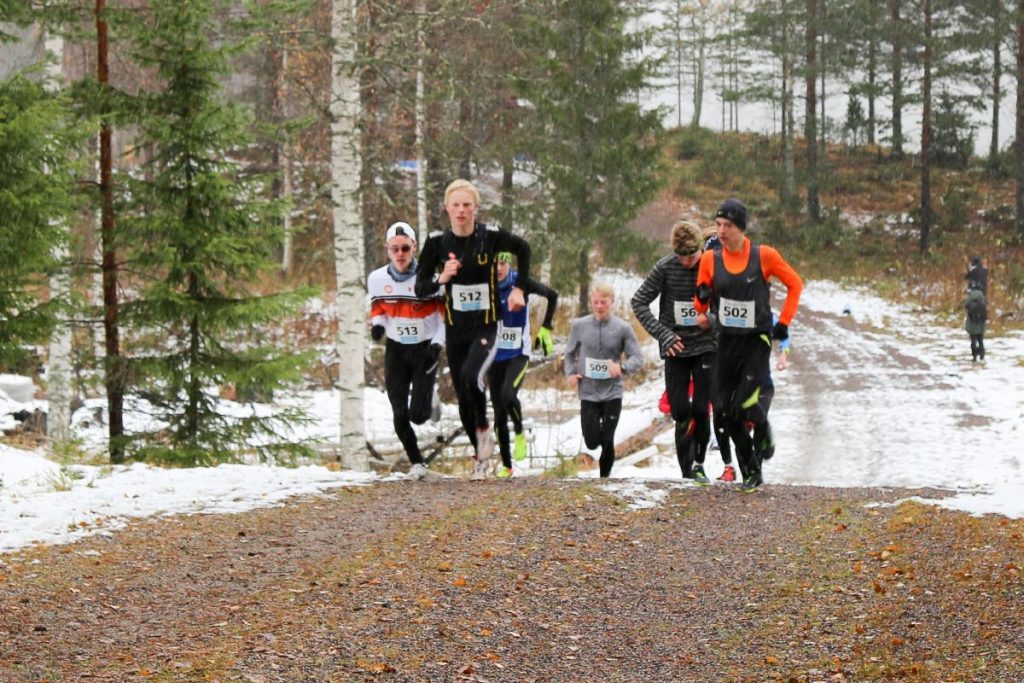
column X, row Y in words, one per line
column 422, row 222
column 348, row 236
column 58, row 371
column 285, row 161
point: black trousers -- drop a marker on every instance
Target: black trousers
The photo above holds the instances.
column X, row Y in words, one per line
column 743, row 362
column 470, row 354
column 405, row 368
column 505, row 377
column 978, row 346
column 599, row 420
column 693, row 426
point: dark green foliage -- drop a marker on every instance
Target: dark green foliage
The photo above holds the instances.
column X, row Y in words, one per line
column 953, row 141
column 200, row 235
column 595, row 147
column 35, row 187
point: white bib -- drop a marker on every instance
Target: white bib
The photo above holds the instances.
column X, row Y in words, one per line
column 686, row 314
column 406, row 330
column 597, row 368
column 738, row 314
column 471, row 297
column 510, row 338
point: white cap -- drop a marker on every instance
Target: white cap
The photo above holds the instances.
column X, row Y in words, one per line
column 400, row 229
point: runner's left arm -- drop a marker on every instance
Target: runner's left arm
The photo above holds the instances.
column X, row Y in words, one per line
column 772, row 264
column 531, row 286
column 631, row 347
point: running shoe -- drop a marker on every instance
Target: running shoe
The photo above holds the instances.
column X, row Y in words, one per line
column 503, row 472
column 479, row 470
column 728, row 474
column 519, row 450
column 751, row 484
column 418, row 471
column 699, row 478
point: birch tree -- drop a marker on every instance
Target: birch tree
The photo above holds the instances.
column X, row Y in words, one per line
column 58, row 367
column 348, row 236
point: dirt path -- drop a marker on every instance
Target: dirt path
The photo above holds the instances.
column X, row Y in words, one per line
column 532, row 579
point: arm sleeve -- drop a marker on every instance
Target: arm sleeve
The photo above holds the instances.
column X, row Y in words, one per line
column 706, row 277
column 570, row 351
column 531, row 286
column 650, row 290
column 377, row 314
column 428, row 262
column 517, row 245
column 772, row 264
column 631, row 347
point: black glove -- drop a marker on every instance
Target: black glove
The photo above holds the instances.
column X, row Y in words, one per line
column 703, row 294
column 435, row 355
column 780, row 331
column 377, row 332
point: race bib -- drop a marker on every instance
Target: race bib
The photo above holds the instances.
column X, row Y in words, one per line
column 471, row 297
column 510, row 338
column 737, row 314
column 406, row 330
column 686, row 314
column 597, row 368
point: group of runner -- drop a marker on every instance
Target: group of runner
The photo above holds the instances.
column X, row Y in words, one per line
column 714, row 329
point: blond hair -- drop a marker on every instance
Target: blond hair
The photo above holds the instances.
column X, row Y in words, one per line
column 461, row 184
column 602, row 288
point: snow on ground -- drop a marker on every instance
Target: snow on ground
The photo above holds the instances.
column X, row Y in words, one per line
column 892, row 400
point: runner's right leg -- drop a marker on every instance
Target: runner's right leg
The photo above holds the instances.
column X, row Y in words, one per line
column 398, row 375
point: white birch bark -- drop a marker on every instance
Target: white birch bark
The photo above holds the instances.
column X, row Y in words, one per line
column 286, row 168
column 348, row 238
column 421, row 124
column 58, row 370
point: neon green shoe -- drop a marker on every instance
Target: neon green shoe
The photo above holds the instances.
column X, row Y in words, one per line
column 519, row 451
column 503, row 472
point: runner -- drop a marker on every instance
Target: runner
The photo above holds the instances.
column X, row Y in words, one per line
column 462, row 260
column 735, row 282
column 687, row 348
column 596, row 345
column 510, row 364
column 415, row 336
column 721, row 432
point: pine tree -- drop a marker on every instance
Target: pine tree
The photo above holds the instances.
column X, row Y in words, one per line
column 593, row 144
column 199, row 236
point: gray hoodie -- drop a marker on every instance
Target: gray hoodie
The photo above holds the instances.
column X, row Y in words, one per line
column 592, row 341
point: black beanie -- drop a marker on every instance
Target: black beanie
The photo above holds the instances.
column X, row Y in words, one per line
column 734, row 211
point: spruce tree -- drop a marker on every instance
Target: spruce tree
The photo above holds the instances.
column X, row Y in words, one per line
column 199, row 236
column 593, row 144
column 35, row 197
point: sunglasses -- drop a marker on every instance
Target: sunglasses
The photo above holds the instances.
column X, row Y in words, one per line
column 403, row 248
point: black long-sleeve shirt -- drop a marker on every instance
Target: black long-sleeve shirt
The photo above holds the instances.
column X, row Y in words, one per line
column 471, row 298
column 675, row 285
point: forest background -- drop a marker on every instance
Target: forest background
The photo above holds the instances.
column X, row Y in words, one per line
column 182, row 175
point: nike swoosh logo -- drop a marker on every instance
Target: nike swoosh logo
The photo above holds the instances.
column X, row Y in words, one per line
column 748, row 377
column 751, row 279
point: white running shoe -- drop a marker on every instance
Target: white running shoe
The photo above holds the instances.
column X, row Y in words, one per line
column 418, row 471
column 479, row 470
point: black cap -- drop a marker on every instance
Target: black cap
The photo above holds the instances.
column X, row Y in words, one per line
column 734, row 211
